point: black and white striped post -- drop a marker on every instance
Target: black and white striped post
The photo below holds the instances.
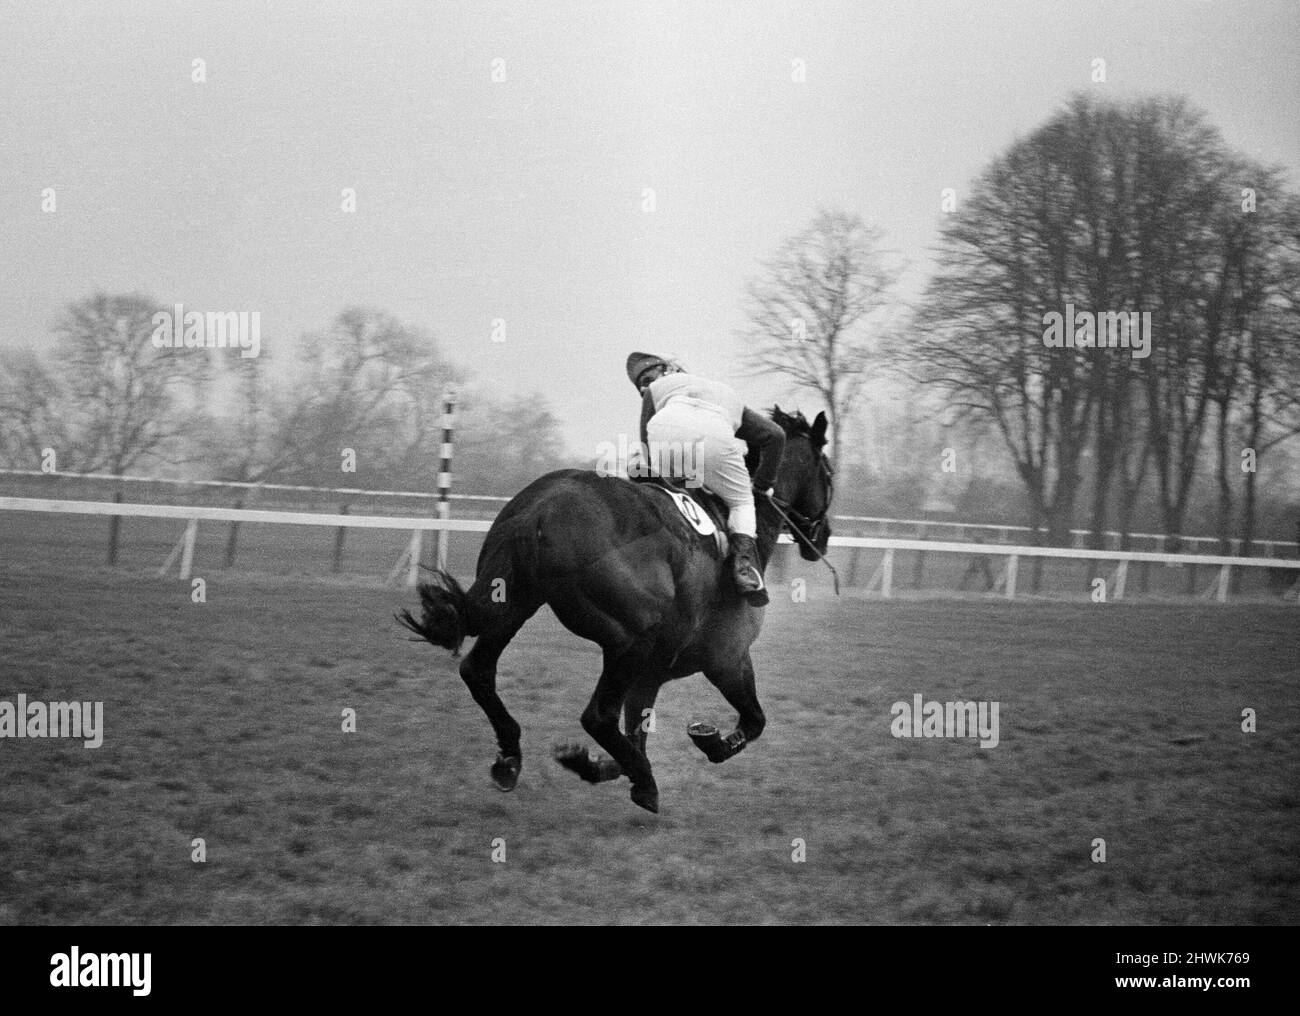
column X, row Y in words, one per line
column 444, row 471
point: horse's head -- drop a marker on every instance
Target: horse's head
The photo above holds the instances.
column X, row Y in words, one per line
column 804, row 482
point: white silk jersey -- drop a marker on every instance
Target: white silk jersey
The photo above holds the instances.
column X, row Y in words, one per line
column 699, row 392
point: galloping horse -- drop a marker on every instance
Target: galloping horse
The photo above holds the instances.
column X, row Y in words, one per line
column 619, row 565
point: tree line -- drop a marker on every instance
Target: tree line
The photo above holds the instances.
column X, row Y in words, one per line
column 1107, row 212
column 357, row 403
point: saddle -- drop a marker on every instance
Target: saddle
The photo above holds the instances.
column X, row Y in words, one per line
column 705, row 511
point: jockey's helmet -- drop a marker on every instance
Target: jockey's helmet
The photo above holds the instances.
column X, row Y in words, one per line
column 639, row 363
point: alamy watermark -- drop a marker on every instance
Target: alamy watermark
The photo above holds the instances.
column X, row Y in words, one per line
column 192, row 329
column 75, row 969
column 678, row 460
column 84, row 720
column 1103, row 330
column 919, row 718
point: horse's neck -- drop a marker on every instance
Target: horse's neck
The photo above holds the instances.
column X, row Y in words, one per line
column 769, row 528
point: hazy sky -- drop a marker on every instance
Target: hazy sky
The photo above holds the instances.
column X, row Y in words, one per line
column 522, row 199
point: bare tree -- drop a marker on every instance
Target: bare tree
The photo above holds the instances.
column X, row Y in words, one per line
column 1270, row 281
column 1114, row 208
column 251, row 435
column 1187, row 257
column 1003, row 261
column 811, row 310
column 31, row 413
column 368, row 383
column 505, row 446
column 121, row 394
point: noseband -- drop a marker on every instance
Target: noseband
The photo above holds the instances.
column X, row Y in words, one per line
column 809, row 529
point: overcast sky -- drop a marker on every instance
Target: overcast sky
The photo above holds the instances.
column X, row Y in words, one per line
column 522, row 199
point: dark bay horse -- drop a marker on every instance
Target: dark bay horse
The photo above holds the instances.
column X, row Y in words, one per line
column 619, row 565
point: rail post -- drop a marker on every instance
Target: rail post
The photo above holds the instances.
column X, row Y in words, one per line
column 114, row 523
column 339, row 535
column 444, row 472
column 187, row 553
column 232, row 540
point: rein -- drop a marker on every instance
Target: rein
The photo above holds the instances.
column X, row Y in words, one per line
column 778, row 505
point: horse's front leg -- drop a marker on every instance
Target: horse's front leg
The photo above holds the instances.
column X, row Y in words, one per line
column 638, row 708
column 737, row 686
column 600, row 720
column 638, row 711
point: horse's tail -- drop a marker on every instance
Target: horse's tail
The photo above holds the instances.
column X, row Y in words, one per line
column 450, row 613
column 446, row 617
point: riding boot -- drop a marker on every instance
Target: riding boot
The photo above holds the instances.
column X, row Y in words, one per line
column 749, row 580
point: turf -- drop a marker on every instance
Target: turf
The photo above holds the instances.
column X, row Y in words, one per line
column 223, row 721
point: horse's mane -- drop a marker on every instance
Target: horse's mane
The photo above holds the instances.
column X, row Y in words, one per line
column 794, row 424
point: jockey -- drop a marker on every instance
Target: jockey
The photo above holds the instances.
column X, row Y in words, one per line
column 682, row 409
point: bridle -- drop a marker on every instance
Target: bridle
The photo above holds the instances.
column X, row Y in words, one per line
column 810, row 530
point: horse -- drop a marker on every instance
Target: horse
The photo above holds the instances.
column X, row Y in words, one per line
column 619, row 565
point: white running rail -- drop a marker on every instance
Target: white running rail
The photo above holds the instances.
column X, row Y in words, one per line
column 883, row 576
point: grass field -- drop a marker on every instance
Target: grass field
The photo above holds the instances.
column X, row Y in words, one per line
column 223, row 721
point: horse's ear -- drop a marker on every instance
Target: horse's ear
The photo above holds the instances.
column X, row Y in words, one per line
column 819, row 429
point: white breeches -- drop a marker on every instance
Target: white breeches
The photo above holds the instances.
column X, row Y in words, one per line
column 703, row 442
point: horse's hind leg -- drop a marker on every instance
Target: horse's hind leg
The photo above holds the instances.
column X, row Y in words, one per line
column 479, row 672
column 737, row 686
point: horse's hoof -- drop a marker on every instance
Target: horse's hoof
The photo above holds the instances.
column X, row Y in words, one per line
column 708, row 739
column 647, row 798
column 576, row 759
column 505, row 771
column 606, row 769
